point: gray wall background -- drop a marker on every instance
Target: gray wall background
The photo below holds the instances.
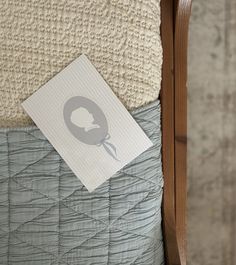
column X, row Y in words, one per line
column 212, row 133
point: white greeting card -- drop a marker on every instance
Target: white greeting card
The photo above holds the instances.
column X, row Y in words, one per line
column 86, row 123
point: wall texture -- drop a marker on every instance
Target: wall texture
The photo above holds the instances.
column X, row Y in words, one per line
column 212, row 133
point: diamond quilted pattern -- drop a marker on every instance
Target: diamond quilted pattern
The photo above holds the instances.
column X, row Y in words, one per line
column 48, row 217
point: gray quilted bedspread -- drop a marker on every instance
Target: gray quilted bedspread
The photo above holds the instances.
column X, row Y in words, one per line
column 48, row 217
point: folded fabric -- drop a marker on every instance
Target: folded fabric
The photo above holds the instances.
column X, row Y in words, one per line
column 48, row 217
column 38, row 38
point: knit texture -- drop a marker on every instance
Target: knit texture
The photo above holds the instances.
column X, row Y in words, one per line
column 38, row 38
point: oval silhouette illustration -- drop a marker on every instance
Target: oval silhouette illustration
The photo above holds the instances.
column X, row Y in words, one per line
column 85, row 120
column 87, row 123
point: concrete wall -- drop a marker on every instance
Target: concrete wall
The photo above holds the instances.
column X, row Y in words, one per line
column 212, row 133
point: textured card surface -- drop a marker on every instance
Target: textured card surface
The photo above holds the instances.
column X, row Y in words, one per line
column 86, row 123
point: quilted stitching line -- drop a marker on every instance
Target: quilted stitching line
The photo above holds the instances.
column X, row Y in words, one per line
column 67, row 199
column 37, row 191
column 80, row 212
column 12, row 232
column 9, row 201
column 56, row 203
column 40, row 139
column 31, row 164
column 5, row 233
column 109, row 221
column 137, row 258
column 114, row 225
column 72, row 193
column 91, row 218
column 137, row 177
column 33, row 190
column 62, row 201
column 128, row 232
column 108, row 227
column 131, row 233
column 29, row 133
column 48, row 197
column 133, row 207
column 29, row 221
column 59, row 209
column 125, row 231
column 57, row 258
column 142, row 120
column 33, row 246
column 83, row 242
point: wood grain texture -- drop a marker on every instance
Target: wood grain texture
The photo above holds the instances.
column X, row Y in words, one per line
column 180, row 70
column 167, row 103
column 175, row 20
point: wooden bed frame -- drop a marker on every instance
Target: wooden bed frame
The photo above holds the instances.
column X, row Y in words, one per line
column 174, row 33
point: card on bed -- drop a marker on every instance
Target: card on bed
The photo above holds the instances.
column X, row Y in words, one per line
column 86, row 123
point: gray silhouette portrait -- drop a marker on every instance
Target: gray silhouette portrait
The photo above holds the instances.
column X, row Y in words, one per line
column 87, row 123
column 82, row 118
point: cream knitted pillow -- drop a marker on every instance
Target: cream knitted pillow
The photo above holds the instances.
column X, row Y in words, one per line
column 38, row 38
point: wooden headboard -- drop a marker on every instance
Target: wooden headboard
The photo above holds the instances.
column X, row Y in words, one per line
column 174, row 34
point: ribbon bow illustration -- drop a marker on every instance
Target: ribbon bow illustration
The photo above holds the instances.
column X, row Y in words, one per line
column 109, row 147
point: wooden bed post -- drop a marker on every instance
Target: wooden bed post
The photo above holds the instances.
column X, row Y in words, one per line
column 174, row 33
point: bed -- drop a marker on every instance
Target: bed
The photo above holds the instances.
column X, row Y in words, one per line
column 138, row 216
